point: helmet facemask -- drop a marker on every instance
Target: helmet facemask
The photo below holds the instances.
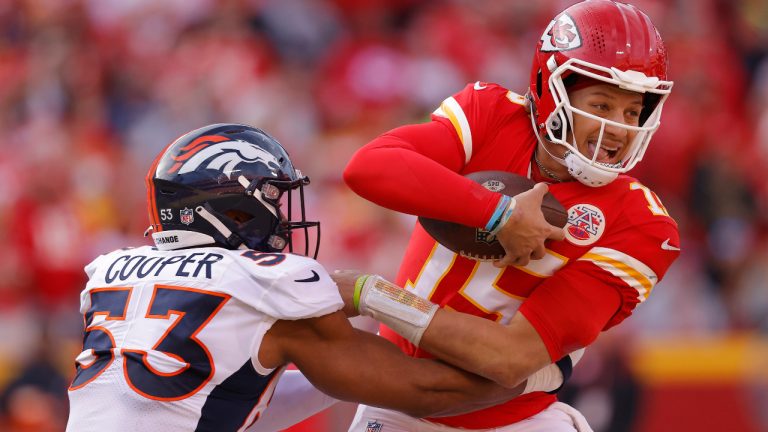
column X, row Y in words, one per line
column 558, row 124
column 277, row 195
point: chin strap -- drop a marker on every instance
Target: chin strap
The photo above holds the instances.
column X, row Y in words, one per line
column 561, row 161
column 177, row 239
column 586, row 173
column 233, row 239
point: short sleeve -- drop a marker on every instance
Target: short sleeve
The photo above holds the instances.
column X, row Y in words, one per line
column 297, row 288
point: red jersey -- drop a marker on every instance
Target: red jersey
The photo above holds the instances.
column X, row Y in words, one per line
column 619, row 241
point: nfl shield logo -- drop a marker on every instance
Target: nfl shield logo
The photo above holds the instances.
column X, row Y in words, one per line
column 186, row 215
column 483, row 236
column 373, row 426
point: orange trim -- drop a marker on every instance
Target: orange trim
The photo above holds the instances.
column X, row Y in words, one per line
column 194, row 147
column 192, row 337
column 270, row 388
column 103, row 329
column 203, row 140
column 154, row 216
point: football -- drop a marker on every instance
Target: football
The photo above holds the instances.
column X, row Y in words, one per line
column 477, row 243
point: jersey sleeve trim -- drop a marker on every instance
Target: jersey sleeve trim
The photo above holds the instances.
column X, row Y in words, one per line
column 262, row 329
column 516, row 98
column 451, row 110
column 630, row 270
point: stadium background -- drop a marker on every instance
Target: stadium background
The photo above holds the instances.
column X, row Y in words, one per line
column 91, row 90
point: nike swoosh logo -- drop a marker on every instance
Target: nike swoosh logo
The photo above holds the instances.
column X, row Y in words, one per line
column 314, row 278
column 666, row 246
column 479, row 87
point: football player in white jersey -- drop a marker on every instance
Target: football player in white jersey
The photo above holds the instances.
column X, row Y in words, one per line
column 194, row 333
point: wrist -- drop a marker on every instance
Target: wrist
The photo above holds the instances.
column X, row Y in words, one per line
column 359, row 283
column 402, row 311
column 551, row 378
column 547, row 379
column 504, row 211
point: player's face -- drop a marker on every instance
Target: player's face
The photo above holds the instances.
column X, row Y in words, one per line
column 611, row 103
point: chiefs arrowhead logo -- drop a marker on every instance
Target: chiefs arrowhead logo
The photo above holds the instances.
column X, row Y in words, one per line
column 561, row 35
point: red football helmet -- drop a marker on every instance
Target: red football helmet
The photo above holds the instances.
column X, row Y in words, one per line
column 608, row 41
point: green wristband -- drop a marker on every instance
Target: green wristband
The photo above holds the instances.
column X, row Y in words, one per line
column 358, row 289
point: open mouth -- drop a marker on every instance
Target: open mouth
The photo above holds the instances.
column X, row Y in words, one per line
column 606, row 154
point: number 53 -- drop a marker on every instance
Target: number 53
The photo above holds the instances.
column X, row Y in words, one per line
column 195, row 309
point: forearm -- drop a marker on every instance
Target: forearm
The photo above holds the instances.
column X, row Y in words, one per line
column 418, row 387
column 361, row 367
column 505, row 354
column 426, row 158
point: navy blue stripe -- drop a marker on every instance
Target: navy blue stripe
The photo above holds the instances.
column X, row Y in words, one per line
column 230, row 403
column 566, row 367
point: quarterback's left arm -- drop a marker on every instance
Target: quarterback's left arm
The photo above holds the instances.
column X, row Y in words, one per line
column 506, row 354
column 563, row 314
column 571, row 308
column 626, row 268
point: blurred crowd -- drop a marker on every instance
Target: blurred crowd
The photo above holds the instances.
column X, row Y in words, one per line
column 92, row 90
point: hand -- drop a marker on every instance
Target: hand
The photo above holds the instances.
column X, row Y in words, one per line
column 345, row 280
column 525, row 232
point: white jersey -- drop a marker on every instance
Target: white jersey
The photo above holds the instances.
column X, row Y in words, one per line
column 172, row 337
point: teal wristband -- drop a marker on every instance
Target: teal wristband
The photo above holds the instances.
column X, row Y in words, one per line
column 498, row 213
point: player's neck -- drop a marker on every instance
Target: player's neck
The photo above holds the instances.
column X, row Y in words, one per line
column 545, row 168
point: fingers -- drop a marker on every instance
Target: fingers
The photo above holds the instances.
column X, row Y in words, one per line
column 523, row 257
column 541, row 189
column 521, row 260
column 509, row 261
column 534, row 196
column 556, row 233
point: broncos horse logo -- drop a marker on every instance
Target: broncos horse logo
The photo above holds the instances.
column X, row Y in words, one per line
column 219, row 153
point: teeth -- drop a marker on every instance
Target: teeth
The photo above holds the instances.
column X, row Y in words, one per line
column 602, row 154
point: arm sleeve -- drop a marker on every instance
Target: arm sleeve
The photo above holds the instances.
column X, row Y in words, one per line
column 413, row 169
column 602, row 288
column 570, row 309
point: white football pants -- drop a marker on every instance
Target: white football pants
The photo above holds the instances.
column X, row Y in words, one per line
column 558, row 417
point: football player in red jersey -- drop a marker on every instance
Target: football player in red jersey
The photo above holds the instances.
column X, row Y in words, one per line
column 598, row 84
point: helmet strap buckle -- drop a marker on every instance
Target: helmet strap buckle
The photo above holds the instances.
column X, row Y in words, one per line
column 276, row 242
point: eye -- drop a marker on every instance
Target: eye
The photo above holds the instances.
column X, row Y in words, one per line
column 633, row 115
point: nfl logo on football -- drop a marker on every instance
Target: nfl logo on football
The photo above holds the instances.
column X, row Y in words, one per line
column 483, row 236
column 186, row 216
column 373, row 426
